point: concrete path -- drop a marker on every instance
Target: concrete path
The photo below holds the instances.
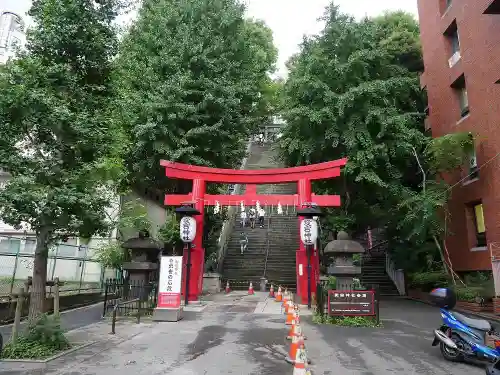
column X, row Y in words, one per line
column 231, row 334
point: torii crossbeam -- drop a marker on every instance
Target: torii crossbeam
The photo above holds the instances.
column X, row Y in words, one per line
column 302, row 175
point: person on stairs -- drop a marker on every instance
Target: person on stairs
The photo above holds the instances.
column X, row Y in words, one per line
column 243, row 242
column 243, row 218
column 262, row 213
column 252, row 215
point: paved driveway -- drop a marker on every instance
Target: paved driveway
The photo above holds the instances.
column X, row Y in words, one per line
column 402, row 346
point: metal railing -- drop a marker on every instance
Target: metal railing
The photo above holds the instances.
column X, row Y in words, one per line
column 121, row 304
column 228, row 226
column 74, row 264
column 397, row 276
column 267, row 245
column 117, row 292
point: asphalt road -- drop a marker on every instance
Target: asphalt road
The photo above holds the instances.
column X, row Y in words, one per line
column 402, row 346
column 70, row 319
column 228, row 337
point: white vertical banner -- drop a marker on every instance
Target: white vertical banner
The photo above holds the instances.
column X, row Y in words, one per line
column 169, row 287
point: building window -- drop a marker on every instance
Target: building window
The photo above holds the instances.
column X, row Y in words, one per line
column 455, row 42
column 10, row 245
column 444, row 5
column 463, row 98
column 480, row 227
column 473, row 168
column 453, row 39
column 29, row 246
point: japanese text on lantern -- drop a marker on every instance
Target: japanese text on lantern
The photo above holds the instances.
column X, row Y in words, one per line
column 308, row 231
column 187, row 229
column 169, row 293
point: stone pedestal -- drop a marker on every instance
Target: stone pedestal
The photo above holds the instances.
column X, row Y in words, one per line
column 212, row 282
column 168, row 315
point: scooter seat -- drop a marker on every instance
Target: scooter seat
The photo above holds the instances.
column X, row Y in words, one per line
column 481, row 324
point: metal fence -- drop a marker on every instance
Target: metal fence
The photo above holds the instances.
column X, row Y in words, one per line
column 141, row 295
column 71, row 263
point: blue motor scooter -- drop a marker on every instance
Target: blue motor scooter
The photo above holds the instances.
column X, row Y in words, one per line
column 461, row 338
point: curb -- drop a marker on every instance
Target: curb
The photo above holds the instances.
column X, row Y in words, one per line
column 462, row 311
column 77, row 346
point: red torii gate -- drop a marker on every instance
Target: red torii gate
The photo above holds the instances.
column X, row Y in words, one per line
column 301, row 175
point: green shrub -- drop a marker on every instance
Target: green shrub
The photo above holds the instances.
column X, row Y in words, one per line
column 426, row 281
column 332, row 283
column 468, row 294
column 346, row 321
column 42, row 339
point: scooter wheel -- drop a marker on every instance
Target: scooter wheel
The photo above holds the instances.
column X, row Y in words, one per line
column 450, row 354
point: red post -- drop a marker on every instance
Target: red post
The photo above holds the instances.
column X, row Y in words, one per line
column 197, row 251
column 304, row 192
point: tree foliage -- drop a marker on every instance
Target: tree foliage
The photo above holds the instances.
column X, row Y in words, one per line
column 191, row 76
column 56, row 138
column 353, row 91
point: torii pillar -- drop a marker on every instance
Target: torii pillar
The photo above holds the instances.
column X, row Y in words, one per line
column 303, row 176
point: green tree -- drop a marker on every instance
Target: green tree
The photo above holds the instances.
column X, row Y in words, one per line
column 190, row 77
column 56, row 138
column 422, row 214
column 353, row 92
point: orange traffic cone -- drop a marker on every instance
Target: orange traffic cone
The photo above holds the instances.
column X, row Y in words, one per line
column 271, row 291
column 279, row 296
column 292, row 353
column 295, row 330
column 301, row 361
column 297, row 320
column 228, row 290
column 285, row 298
column 250, row 289
column 290, row 317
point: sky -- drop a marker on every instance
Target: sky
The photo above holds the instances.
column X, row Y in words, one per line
column 290, row 20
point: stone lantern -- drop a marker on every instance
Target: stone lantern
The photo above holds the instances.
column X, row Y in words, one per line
column 340, row 254
column 144, row 252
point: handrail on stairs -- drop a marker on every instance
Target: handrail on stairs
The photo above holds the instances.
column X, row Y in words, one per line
column 228, row 226
column 396, row 275
column 267, row 245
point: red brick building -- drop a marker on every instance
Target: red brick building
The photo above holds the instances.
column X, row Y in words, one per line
column 461, row 49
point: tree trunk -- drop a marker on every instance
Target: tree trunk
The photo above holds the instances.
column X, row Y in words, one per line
column 441, row 254
column 37, row 300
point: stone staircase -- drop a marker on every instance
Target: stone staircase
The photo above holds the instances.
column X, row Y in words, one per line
column 373, row 272
column 271, row 251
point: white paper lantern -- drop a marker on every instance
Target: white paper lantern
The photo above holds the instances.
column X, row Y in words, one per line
column 187, row 229
column 217, row 207
column 280, row 209
column 242, row 206
column 308, row 231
